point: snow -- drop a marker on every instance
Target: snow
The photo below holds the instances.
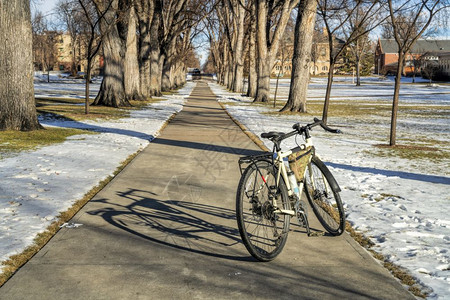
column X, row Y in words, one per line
column 36, row 186
column 401, row 205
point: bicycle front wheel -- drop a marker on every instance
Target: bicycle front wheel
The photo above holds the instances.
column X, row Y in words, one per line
column 263, row 230
column 324, row 198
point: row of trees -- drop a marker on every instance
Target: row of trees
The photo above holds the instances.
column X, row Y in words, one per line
column 260, row 26
column 145, row 42
column 145, row 45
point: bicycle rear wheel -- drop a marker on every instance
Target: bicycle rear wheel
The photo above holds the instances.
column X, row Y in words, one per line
column 324, row 198
column 263, row 231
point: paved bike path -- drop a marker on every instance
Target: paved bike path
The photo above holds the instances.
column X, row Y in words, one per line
column 165, row 228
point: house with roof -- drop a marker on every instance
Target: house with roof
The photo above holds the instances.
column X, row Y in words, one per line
column 386, row 55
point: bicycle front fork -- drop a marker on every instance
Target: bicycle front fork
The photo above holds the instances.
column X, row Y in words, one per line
column 300, row 212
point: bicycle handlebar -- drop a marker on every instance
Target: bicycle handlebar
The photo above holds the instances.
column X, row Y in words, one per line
column 277, row 137
column 326, row 128
column 317, row 122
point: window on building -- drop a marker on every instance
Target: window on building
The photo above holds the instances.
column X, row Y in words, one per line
column 325, row 68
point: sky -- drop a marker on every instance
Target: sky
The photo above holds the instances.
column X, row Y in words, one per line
column 46, row 6
column 43, row 5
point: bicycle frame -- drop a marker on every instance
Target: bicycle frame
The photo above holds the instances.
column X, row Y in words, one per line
column 267, row 196
column 282, row 172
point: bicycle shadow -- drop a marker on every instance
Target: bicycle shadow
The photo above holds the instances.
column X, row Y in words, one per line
column 183, row 225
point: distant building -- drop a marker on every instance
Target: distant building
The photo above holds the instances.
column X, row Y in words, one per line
column 444, row 63
column 69, row 57
column 66, row 60
column 320, row 57
column 386, row 55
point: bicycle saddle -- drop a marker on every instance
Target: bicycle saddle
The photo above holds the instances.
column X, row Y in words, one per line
column 271, row 134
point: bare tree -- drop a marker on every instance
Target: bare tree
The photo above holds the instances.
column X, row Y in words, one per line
column 316, row 49
column 72, row 19
column 181, row 21
column 252, row 68
column 409, row 20
column 44, row 41
column 233, row 14
column 304, row 28
column 212, row 31
column 17, row 106
column 112, row 89
column 361, row 43
column 144, row 10
column 128, row 26
column 336, row 15
column 268, row 38
column 93, row 40
column 284, row 55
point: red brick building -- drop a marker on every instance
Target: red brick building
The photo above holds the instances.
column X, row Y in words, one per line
column 386, row 54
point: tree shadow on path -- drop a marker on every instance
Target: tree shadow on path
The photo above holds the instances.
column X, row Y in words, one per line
column 184, row 225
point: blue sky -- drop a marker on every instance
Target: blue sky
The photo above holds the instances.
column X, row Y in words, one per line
column 45, row 6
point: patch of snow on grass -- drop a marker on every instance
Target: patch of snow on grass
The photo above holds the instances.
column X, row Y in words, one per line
column 36, row 186
column 401, row 204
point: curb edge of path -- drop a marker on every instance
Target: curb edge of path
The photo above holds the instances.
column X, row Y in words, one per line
column 255, row 139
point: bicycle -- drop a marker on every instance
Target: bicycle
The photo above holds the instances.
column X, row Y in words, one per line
column 269, row 193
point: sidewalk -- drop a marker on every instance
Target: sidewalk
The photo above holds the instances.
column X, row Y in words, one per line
column 165, row 228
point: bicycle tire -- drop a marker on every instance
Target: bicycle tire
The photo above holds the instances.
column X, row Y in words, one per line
column 263, row 232
column 327, row 206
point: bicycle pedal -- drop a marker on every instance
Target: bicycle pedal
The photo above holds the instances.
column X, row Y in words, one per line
column 316, row 233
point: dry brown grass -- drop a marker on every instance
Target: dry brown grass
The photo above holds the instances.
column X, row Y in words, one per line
column 74, row 109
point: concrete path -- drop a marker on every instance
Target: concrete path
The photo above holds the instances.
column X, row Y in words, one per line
column 165, row 228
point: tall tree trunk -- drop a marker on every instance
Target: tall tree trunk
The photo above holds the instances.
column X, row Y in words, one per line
column 252, row 73
column 168, row 68
column 225, row 67
column 155, row 78
column 112, row 89
column 17, row 106
column 166, row 82
column 155, row 51
column 263, row 90
column 131, row 80
column 144, row 9
column 231, row 74
column 161, row 60
column 358, row 61
column 239, row 49
column 180, row 74
column 268, row 41
column 87, row 82
column 398, row 77
column 358, row 70
column 304, row 28
column 328, row 92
